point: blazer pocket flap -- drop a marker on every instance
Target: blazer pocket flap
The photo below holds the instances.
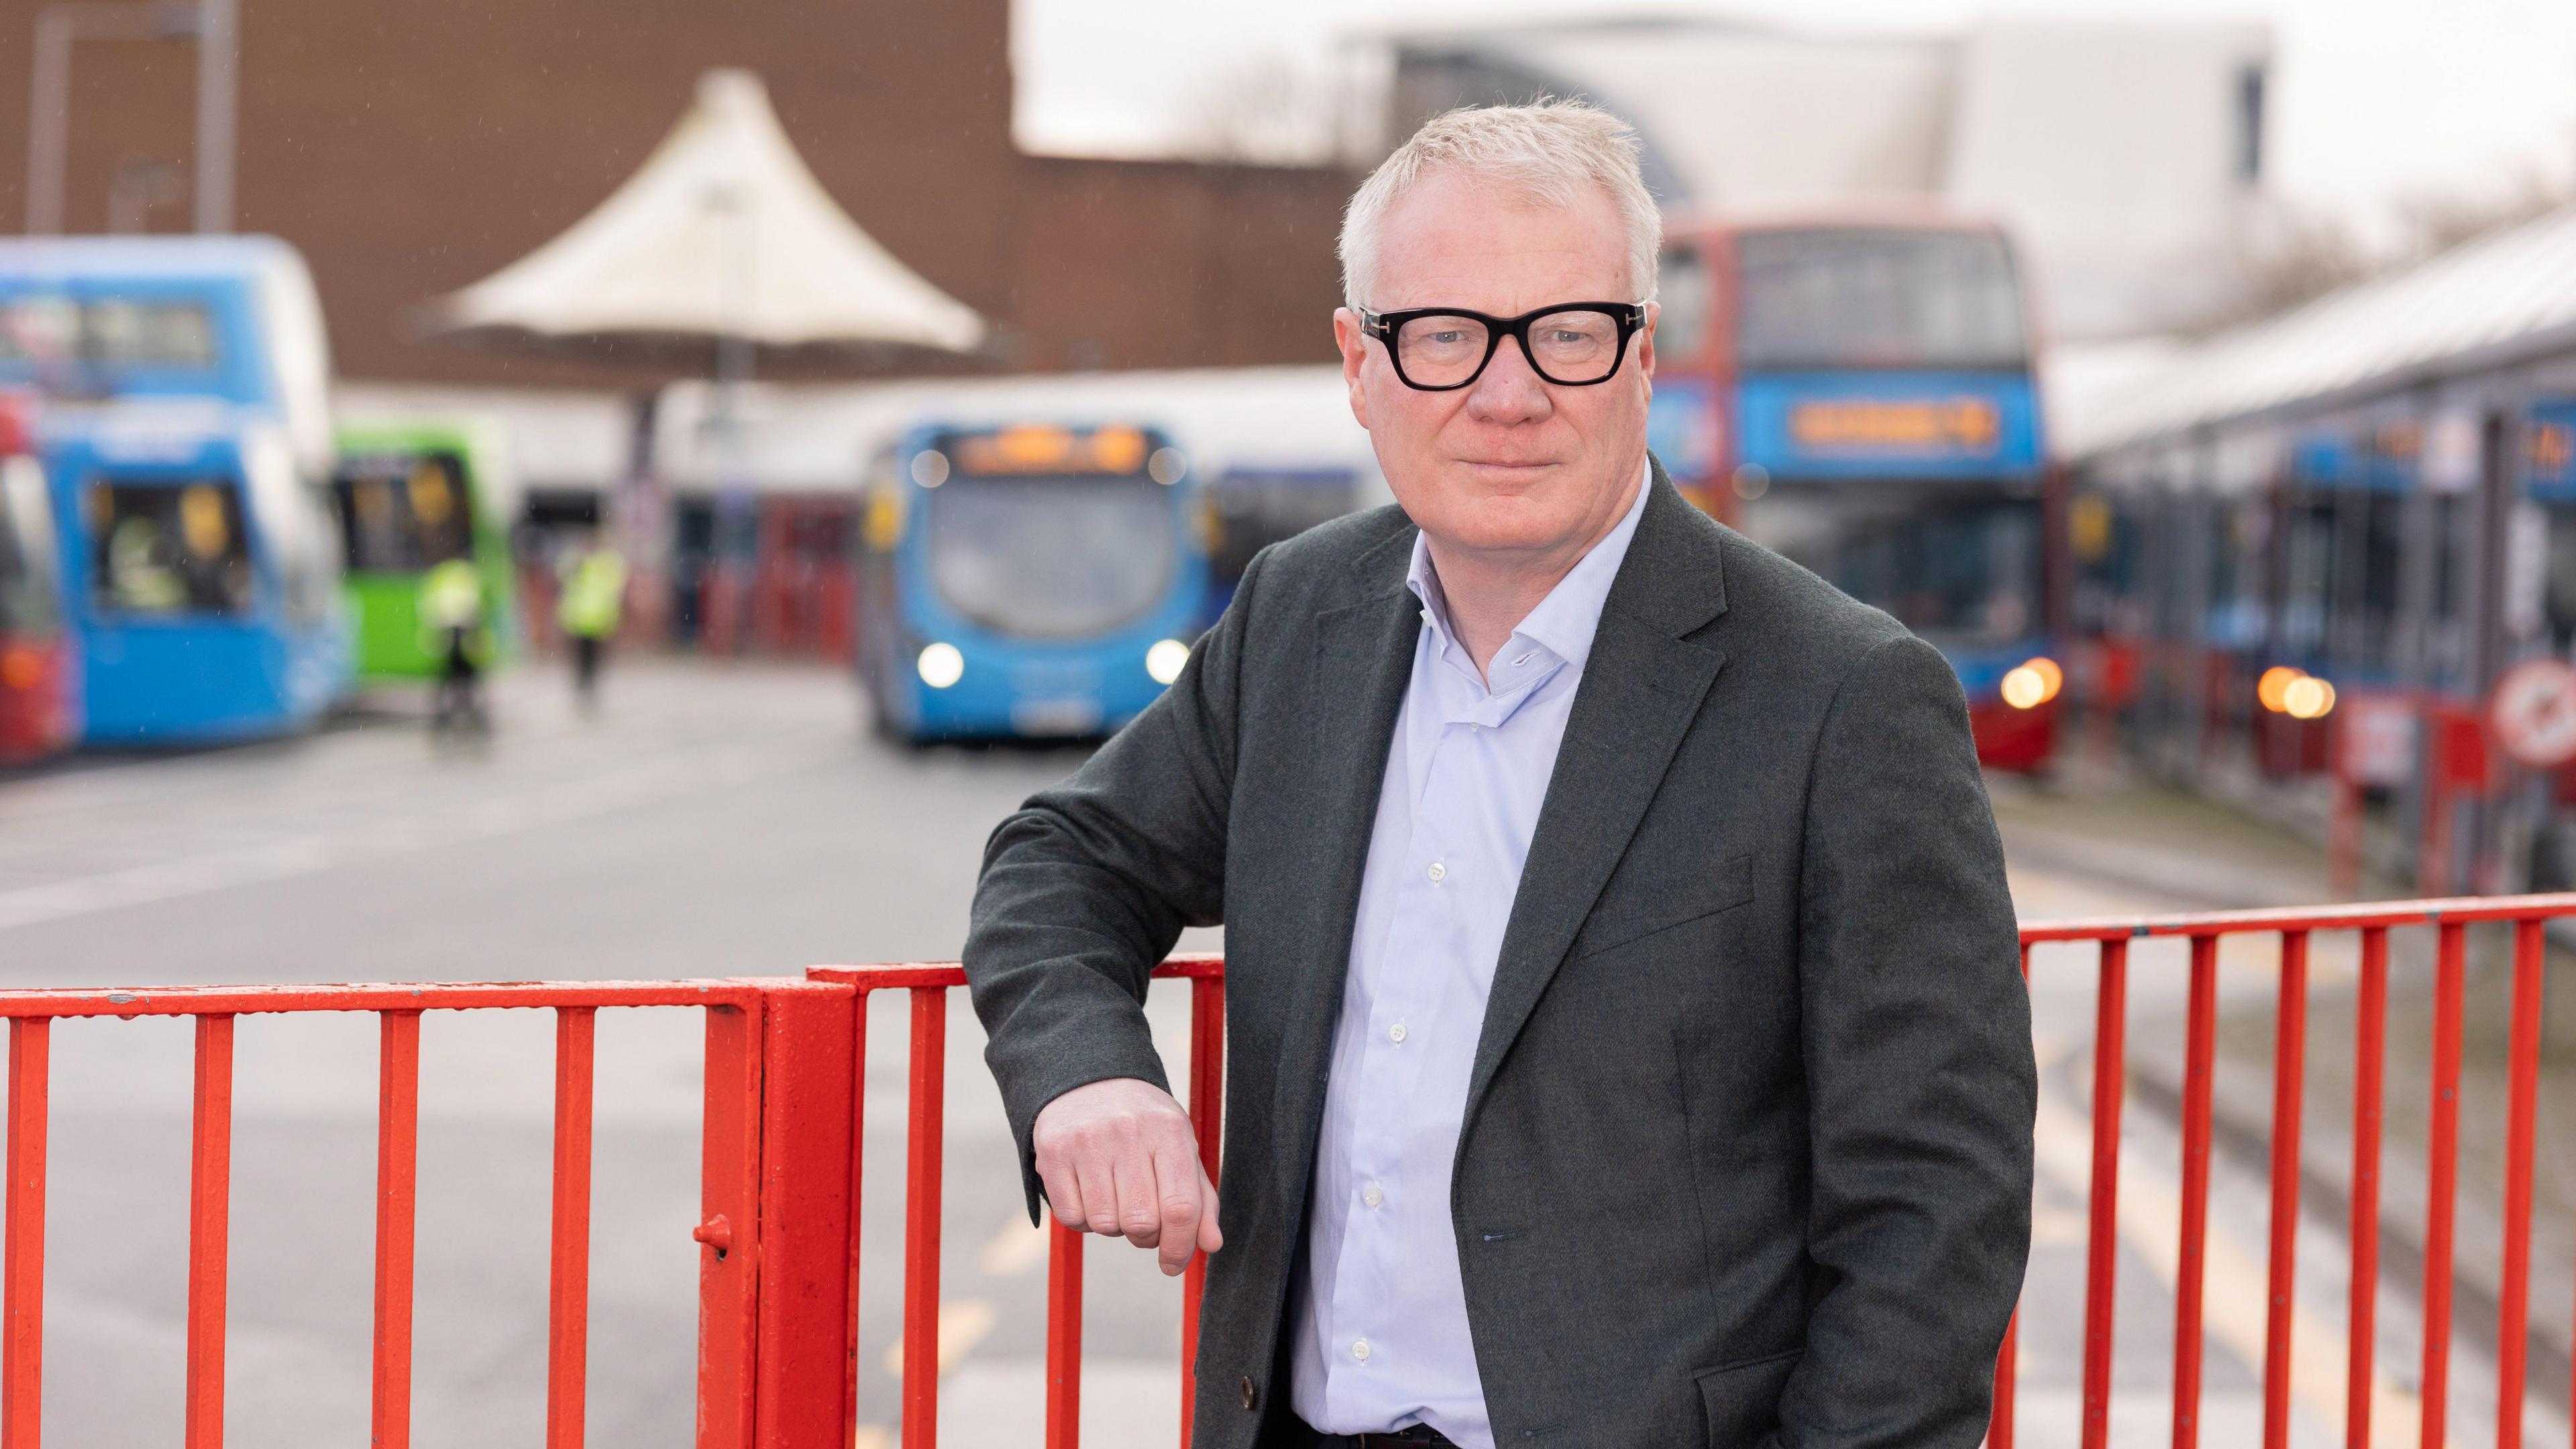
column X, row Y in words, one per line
column 1742, row 1400
column 1631, row 909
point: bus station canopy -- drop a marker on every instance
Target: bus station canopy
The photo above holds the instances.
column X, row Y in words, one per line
column 2494, row 302
column 722, row 233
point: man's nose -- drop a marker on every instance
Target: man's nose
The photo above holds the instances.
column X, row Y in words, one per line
column 1510, row 390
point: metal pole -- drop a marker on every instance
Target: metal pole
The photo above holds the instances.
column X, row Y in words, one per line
column 218, row 110
column 49, row 118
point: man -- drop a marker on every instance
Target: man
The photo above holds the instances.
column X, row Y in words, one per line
column 1626, row 1046
column 454, row 631
column 594, row 597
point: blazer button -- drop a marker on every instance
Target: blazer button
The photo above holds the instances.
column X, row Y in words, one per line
column 1251, row 1395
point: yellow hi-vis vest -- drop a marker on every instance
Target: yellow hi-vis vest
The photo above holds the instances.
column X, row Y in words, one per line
column 593, row 595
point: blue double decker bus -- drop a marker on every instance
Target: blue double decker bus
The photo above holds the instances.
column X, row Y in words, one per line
column 1032, row 580
column 1859, row 394
column 187, row 445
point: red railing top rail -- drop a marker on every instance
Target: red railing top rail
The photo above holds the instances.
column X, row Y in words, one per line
column 384, row 996
column 914, row 974
column 2347, row 917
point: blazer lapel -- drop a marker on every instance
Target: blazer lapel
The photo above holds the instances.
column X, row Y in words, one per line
column 1363, row 661
column 1642, row 687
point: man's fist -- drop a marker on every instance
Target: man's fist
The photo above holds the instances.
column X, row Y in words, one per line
column 1120, row 1158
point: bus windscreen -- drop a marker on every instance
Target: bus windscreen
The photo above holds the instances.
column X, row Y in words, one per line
column 168, row 548
column 403, row 511
column 1051, row 556
column 1877, row 298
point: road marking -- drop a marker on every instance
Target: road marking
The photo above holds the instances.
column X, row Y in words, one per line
column 963, row 1322
column 1018, row 1247
column 2234, row 1284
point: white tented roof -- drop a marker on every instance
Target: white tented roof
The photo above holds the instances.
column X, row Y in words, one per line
column 723, row 232
column 2490, row 302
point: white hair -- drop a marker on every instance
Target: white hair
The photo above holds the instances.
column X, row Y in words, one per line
column 1550, row 153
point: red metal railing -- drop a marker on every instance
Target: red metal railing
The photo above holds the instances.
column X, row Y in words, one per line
column 780, row 1068
column 783, row 1133
column 2449, row 920
column 928, row 986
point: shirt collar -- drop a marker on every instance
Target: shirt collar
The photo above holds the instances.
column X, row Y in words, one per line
column 1565, row 621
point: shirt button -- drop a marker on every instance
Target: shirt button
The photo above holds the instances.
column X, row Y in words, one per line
column 1373, row 1196
column 1396, row 1034
column 1438, row 872
column 1359, row 1350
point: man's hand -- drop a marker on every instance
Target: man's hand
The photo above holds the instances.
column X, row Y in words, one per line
column 1120, row 1158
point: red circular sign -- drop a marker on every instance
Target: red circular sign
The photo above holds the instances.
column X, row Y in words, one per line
column 2533, row 713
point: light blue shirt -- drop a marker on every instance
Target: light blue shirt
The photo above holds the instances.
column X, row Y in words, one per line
column 1381, row 1338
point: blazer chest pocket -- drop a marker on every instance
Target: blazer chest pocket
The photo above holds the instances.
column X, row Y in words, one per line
column 1658, row 900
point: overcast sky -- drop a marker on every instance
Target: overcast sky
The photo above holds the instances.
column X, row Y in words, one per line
column 2373, row 101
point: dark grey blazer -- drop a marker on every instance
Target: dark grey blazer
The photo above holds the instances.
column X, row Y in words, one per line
column 1747, row 1154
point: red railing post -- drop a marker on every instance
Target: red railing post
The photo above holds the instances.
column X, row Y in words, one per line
column 568, row 1251
column 2191, row 1265
column 2289, row 1071
column 1064, row 1335
column 929, row 1068
column 2102, row 1238
column 728, row 1230
column 22, row 1345
column 807, row 1059
column 858, row 1177
column 210, row 1187
column 2442, row 1164
column 1207, row 1114
column 1999, row 1417
column 397, row 1183
column 2369, row 1055
column 2513, row 1343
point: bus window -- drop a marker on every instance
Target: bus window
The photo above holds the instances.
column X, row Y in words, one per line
column 168, row 548
column 1681, row 326
column 115, row 331
column 403, row 512
column 27, row 578
column 1050, row 556
column 1859, row 298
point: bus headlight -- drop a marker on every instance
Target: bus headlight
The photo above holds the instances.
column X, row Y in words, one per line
column 2033, row 682
column 1165, row 659
column 941, row 665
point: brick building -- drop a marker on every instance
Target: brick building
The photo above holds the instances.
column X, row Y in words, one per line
column 411, row 149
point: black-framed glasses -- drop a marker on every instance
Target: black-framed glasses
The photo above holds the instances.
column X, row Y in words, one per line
column 1572, row 344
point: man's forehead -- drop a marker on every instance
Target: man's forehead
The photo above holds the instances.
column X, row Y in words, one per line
column 1451, row 232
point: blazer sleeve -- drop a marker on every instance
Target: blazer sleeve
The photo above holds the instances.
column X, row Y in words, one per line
column 1920, row 1077
column 1085, row 888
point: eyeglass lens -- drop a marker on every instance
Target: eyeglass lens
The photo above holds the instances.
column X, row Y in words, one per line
column 1565, row 347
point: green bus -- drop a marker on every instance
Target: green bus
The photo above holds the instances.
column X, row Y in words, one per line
column 413, row 494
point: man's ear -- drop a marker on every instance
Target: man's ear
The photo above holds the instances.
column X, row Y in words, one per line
column 1354, row 345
